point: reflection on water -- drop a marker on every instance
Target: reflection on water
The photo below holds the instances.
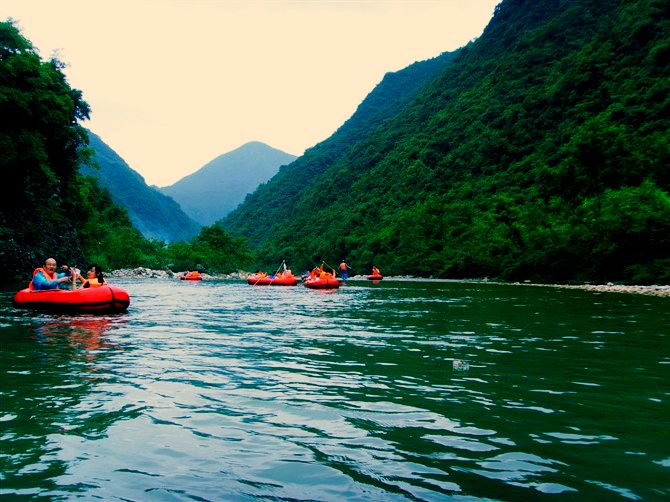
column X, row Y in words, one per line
column 394, row 391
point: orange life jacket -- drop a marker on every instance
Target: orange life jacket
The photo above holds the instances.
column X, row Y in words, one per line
column 93, row 283
column 46, row 273
column 343, row 266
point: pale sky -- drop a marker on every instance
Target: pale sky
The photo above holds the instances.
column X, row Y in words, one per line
column 173, row 84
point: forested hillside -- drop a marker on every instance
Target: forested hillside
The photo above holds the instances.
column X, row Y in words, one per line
column 50, row 209
column 218, row 187
column 273, row 204
column 541, row 152
column 155, row 215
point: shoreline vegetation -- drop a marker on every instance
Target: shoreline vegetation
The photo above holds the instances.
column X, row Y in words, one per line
column 652, row 290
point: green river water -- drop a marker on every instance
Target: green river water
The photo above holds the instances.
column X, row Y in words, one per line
column 395, row 391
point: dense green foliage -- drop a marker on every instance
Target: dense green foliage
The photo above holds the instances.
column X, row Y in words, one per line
column 541, row 152
column 41, row 147
column 272, row 205
column 213, row 250
column 49, row 209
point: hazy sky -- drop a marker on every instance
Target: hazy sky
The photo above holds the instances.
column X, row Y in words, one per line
column 172, row 84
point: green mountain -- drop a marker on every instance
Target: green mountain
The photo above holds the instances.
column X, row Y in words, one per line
column 262, row 211
column 155, row 215
column 540, row 152
column 221, row 185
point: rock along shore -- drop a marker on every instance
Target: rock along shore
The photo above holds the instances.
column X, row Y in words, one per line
column 654, row 290
column 148, row 273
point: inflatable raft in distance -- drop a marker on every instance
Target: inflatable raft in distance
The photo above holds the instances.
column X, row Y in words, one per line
column 191, row 276
column 375, row 277
column 104, row 299
column 264, row 280
column 322, row 283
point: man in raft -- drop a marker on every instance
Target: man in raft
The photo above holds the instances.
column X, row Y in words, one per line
column 46, row 277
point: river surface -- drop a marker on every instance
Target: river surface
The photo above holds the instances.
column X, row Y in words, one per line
column 395, row 391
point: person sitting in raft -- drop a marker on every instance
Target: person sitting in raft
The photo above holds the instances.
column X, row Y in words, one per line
column 314, row 273
column 375, row 271
column 46, row 277
column 326, row 275
column 94, row 278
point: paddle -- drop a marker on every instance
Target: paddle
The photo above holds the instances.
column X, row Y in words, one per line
column 334, row 274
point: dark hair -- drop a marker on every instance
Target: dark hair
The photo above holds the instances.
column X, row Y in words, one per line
column 98, row 271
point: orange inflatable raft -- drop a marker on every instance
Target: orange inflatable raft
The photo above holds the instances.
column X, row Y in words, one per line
column 191, row 276
column 265, row 280
column 322, row 283
column 375, row 277
column 103, row 299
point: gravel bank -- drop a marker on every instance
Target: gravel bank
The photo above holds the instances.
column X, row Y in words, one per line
column 654, row 290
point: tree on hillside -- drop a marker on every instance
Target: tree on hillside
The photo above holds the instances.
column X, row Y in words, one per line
column 41, row 148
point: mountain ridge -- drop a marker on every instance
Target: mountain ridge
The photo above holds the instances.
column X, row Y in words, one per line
column 396, row 90
column 211, row 192
column 523, row 159
column 154, row 214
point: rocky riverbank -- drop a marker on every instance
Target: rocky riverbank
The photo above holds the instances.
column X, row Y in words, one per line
column 617, row 288
column 654, row 290
column 147, row 273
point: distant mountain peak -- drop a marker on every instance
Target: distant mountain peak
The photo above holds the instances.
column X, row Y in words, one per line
column 219, row 186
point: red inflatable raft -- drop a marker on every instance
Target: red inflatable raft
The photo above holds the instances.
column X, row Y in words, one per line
column 375, row 277
column 97, row 300
column 191, row 276
column 264, row 280
column 322, row 283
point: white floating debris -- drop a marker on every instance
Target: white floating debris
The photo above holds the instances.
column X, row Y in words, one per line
column 461, row 365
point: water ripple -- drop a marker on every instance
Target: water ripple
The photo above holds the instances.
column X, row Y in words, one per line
column 217, row 390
